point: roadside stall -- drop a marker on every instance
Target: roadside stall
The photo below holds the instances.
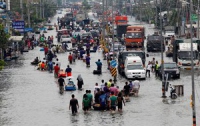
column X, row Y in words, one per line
column 15, row 45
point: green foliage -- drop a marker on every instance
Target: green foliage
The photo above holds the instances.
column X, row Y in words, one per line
column 50, row 9
column 2, row 63
column 3, row 37
column 173, row 18
column 59, row 2
column 86, row 5
column 1, row 67
column 35, row 19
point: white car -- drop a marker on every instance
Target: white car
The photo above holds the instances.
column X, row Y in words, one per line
column 134, row 68
column 169, row 34
column 65, row 38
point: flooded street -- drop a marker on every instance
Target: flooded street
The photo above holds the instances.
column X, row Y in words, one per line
column 29, row 97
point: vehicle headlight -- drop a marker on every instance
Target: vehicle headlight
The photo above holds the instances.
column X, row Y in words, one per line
column 177, row 71
column 143, row 72
column 128, row 73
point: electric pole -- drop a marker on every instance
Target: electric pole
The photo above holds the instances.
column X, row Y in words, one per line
column 192, row 69
column 21, row 6
column 28, row 12
column 162, row 50
column 41, row 9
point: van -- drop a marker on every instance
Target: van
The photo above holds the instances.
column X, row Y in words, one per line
column 133, row 68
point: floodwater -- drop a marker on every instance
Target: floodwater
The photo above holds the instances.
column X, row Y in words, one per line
column 29, row 97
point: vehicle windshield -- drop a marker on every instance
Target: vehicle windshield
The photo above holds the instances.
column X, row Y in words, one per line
column 140, row 54
column 69, row 15
column 65, row 36
column 155, row 37
column 134, row 67
column 169, row 31
column 170, row 65
column 186, row 55
column 116, row 45
column 86, row 34
column 133, row 35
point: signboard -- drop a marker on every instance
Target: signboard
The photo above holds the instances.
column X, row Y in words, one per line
column 28, row 29
column 187, row 46
column 194, row 17
column 113, row 63
column 19, row 26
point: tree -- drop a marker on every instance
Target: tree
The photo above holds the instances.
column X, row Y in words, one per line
column 3, row 37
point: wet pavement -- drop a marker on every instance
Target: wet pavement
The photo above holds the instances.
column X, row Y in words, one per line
column 29, row 97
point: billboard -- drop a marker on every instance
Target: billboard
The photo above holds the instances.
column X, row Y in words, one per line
column 18, row 26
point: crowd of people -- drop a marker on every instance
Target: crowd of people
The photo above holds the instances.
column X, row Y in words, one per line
column 106, row 96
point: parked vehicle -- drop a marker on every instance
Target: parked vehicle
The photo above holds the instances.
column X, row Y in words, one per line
column 80, row 17
column 65, row 38
column 154, row 43
column 121, row 23
column 171, row 69
column 182, row 53
column 169, row 31
column 135, row 36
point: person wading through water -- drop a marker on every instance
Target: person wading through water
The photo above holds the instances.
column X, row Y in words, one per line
column 68, row 71
column 74, row 106
column 61, row 84
column 79, row 82
column 70, row 58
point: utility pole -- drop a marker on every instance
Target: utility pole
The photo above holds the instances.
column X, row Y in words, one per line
column 114, row 55
column 156, row 21
column 162, row 58
column 106, row 12
column 192, row 68
column 140, row 4
column 198, row 21
column 36, row 10
column 103, row 20
column 21, row 7
column 28, row 12
column 41, row 9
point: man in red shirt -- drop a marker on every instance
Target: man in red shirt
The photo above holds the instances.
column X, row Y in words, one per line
column 56, row 70
column 45, row 50
column 70, row 58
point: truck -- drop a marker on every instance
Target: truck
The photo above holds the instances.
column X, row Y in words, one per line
column 182, row 53
column 80, row 17
column 169, row 31
column 121, row 25
column 135, row 36
column 154, row 43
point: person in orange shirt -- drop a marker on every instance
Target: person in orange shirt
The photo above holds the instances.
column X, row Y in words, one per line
column 43, row 66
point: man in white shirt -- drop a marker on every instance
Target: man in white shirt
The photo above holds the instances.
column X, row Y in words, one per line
column 95, row 88
column 136, row 87
column 102, row 85
column 148, row 68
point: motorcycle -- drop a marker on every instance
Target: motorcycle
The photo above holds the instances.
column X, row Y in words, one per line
column 173, row 94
